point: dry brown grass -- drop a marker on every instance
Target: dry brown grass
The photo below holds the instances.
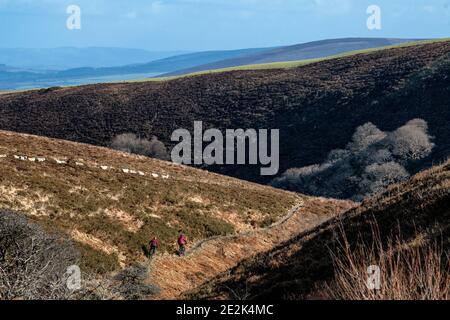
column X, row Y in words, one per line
column 123, row 210
column 207, row 259
column 417, row 271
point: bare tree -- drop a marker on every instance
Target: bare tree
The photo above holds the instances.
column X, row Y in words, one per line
column 129, row 142
column 365, row 136
column 411, row 142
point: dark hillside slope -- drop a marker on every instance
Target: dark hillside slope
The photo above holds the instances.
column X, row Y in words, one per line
column 316, row 107
column 418, row 210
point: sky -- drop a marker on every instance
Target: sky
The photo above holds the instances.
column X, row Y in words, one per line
column 197, row 25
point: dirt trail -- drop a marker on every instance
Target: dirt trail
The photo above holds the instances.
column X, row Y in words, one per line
column 208, row 258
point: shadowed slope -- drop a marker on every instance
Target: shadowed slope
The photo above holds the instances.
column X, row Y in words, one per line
column 416, row 210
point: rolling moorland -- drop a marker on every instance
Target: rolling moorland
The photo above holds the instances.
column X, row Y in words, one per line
column 316, row 106
column 83, row 193
column 111, row 214
column 247, row 241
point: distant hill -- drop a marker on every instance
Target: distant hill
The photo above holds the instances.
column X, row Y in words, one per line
column 11, row 79
column 194, row 59
column 157, row 66
column 310, row 50
column 417, row 211
column 37, row 68
column 70, row 57
column 317, row 107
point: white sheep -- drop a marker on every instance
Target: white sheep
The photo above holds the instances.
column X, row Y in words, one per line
column 32, row 159
column 79, row 164
column 154, row 175
column 60, row 161
column 141, row 173
column 16, row 157
column 104, row 167
column 165, row 176
column 133, row 171
column 23, row 158
column 126, row 170
column 3, row 155
column 40, row 159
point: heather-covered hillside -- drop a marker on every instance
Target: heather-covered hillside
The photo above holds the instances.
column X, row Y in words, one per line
column 317, row 107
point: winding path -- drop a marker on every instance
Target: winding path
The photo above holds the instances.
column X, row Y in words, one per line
column 210, row 257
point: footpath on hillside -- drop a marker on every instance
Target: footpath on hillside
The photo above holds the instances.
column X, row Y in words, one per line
column 208, row 258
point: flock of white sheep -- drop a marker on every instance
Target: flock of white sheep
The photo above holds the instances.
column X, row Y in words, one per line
column 81, row 164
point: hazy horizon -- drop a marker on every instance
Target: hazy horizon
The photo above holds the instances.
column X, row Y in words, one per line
column 195, row 51
column 210, row 25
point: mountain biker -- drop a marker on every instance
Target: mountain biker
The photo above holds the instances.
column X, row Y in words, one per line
column 182, row 241
column 154, row 244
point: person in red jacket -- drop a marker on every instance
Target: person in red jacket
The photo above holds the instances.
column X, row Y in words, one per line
column 182, row 241
column 154, row 245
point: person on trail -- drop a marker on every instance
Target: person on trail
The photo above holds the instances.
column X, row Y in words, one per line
column 154, row 244
column 182, row 241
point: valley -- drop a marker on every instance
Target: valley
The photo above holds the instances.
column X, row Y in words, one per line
column 316, row 107
column 246, row 239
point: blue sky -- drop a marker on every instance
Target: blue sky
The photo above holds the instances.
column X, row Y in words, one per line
column 194, row 25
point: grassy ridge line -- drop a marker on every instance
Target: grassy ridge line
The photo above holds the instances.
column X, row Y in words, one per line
column 292, row 64
column 262, row 66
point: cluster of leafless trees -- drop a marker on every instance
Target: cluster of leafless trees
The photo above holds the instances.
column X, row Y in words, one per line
column 36, row 264
column 370, row 162
column 33, row 263
column 129, row 142
column 128, row 284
